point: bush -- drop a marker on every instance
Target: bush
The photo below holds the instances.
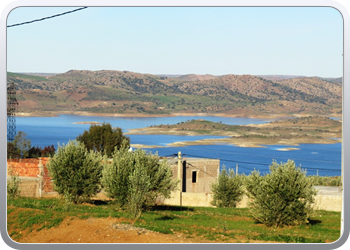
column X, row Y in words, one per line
column 326, row 180
column 228, row 190
column 13, row 189
column 282, row 197
column 136, row 179
column 76, row 173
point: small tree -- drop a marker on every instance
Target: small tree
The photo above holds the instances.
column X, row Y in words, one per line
column 13, row 183
column 282, row 197
column 19, row 147
column 103, row 138
column 134, row 179
column 75, row 172
column 139, row 188
column 228, row 190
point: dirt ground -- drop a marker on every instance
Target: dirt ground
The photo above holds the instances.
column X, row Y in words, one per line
column 102, row 230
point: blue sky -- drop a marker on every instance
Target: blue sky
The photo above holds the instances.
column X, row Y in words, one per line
column 178, row 40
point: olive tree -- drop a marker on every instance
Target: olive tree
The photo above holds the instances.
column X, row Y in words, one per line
column 13, row 183
column 136, row 178
column 76, row 172
column 282, row 197
column 228, row 190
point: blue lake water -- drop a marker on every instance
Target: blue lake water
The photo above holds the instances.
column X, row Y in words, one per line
column 322, row 159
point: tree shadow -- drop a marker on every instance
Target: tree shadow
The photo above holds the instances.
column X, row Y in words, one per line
column 314, row 222
column 165, row 218
column 99, row 202
column 170, row 208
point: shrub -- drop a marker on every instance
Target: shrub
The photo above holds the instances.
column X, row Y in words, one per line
column 282, row 197
column 326, row 180
column 13, row 183
column 75, row 172
column 136, row 178
column 228, row 190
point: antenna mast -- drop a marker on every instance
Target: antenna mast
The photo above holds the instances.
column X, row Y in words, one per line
column 11, row 111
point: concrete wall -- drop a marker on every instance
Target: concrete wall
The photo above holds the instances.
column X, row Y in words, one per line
column 322, row 202
column 29, row 186
column 206, row 172
column 329, row 203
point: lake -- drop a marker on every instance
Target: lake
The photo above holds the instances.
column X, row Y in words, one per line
column 321, row 159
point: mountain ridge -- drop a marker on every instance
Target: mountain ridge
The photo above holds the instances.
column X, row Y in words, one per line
column 126, row 92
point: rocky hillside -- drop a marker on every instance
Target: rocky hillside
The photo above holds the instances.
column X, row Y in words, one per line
column 125, row 92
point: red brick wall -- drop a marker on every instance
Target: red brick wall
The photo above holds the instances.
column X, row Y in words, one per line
column 30, row 168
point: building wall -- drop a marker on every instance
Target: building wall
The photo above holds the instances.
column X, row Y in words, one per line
column 207, row 171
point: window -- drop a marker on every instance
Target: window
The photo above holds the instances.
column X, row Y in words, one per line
column 194, row 176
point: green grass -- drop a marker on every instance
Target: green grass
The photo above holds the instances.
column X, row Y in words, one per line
column 29, row 77
column 214, row 224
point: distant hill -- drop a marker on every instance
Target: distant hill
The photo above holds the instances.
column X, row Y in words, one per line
column 279, row 77
column 39, row 74
column 125, row 92
column 193, row 77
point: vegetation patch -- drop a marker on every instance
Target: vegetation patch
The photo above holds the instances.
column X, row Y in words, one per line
column 225, row 225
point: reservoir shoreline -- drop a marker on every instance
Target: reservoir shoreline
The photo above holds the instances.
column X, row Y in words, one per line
column 83, row 113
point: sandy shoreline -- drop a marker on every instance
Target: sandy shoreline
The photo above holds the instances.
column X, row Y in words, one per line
column 239, row 142
column 83, row 113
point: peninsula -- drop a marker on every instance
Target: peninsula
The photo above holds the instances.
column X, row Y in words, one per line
column 312, row 129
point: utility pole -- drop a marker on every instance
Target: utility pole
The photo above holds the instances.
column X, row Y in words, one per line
column 179, row 165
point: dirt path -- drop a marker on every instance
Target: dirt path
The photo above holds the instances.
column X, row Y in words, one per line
column 102, row 230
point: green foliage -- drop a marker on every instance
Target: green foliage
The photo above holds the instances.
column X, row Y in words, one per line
column 228, row 190
column 13, row 183
column 12, row 151
column 47, row 151
column 282, row 197
column 326, row 180
column 76, row 172
column 19, row 147
column 139, row 187
column 136, row 179
column 103, row 138
column 205, row 222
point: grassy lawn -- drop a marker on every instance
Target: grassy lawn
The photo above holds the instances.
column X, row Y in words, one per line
column 216, row 224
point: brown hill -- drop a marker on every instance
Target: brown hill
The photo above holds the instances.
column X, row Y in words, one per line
column 193, row 77
column 126, row 92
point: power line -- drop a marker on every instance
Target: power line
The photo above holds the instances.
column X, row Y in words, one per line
column 200, row 169
column 231, row 153
column 245, row 162
column 44, row 18
column 251, row 163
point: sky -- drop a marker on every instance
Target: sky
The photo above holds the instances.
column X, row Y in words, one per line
column 304, row 41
